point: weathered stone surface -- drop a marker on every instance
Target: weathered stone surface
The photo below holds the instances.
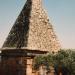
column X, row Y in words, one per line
column 29, row 67
column 32, row 29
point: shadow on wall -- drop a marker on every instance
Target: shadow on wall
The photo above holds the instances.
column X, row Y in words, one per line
column 18, row 36
column 12, row 66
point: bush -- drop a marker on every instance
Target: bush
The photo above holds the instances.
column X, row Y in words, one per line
column 64, row 59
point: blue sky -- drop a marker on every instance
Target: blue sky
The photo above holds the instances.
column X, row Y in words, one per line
column 61, row 14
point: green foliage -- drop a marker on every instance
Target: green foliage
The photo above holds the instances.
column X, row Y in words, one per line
column 64, row 58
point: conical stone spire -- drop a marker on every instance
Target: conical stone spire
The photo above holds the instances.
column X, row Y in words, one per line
column 32, row 30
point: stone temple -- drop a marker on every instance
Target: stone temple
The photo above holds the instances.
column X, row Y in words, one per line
column 31, row 33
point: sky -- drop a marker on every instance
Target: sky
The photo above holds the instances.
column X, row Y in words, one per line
column 61, row 14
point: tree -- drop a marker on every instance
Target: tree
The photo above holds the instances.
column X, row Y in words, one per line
column 63, row 61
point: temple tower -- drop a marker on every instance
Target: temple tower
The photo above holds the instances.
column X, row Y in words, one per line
column 32, row 29
column 31, row 34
